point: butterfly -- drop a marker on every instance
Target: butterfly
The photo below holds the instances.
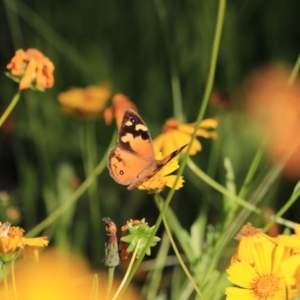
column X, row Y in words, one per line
column 132, row 161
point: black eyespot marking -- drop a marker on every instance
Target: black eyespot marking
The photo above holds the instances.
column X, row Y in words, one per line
column 121, row 172
column 133, row 120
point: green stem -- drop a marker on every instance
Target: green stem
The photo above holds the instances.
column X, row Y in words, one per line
column 221, row 188
column 285, row 207
column 4, row 271
column 159, row 203
column 110, row 281
column 128, row 272
column 95, row 287
column 10, row 107
column 75, row 196
column 254, row 165
column 14, row 279
column 295, row 71
column 89, row 153
column 217, row 37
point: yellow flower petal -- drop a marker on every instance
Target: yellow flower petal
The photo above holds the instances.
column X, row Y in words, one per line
column 241, row 274
column 234, row 293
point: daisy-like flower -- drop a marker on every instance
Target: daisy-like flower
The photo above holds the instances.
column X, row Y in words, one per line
column 162, row 178
column 120, row 103
column 86, row 103
column 13, row 244
column 263, row 280
column 248, row 237
column 31, row 69
column 174, row 133
column 291, row 266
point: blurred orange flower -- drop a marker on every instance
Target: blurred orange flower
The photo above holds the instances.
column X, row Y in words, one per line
column 31, row 69
column 275, row 109
column 120, row 103
column 88, row 102
column 175, row 134
column 13, row 244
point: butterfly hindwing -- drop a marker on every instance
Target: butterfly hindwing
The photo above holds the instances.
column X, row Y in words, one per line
column 124, row 166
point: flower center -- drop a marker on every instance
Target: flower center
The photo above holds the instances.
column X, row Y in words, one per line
column 16, row 231
column 265, row 286
column 170, row 125
column 247, row 231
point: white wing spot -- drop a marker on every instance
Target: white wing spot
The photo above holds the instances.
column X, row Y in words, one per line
column 127, row 138
column 128, row 123
column 141, row 126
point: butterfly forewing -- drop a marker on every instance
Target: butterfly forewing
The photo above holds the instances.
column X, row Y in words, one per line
column 134, row 136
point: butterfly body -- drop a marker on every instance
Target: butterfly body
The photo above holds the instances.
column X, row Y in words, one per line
column 132, row 161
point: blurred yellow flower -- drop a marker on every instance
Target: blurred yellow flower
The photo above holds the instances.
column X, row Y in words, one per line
column 31, row 69
column 61, row 275
column 290, row 241
column 120, row 103
column 13, row 244
column 248, row 237
column 88, row 102
column 174, row 134
column 162, row 177
column 264, row 279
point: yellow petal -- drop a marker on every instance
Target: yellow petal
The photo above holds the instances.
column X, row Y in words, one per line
column 38, row 242
column 234, row 293
column 171, row 180
column 241, row 274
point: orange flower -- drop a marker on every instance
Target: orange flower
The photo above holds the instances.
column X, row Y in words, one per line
column 176, row 134
column 13, row 244
column 88, row 102
column 274, row 107
column 31, row 69
column 119, row 104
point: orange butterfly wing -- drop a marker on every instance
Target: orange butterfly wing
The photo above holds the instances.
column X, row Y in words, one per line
column 133, row 162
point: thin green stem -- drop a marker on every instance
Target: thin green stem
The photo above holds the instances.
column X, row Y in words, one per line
column 217, row 37
column 295, row 71
column 75, row 196
column 95, row 287
column 4, row 271
column 254, row 165
column 14, row 279
column 129, row 269
column 285, row 207
column 110, row 281
column 10, row 107
column 89, row 154
column 159, row 203
column 221, row 188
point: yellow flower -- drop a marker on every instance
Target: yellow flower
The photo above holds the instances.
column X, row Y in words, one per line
column 31, row 69
column 291, row 241
column 248, row 237
column 162, row 177
column 120, row 103
column 175, row 134
column 61, row 275
column 263, row 280
column 13, row 244
column 86, row 103
column 291, row 270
